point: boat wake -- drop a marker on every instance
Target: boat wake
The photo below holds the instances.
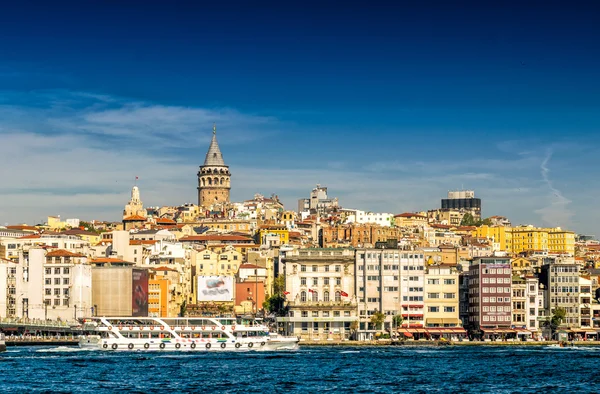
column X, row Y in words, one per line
column 65, row 349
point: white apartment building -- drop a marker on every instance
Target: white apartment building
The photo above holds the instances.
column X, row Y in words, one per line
column 390, row 281
column 46, row 284
column 361, row 217
column 13, row 246
column 319, row 285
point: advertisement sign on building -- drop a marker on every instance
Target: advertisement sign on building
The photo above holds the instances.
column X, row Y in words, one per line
column 215, row 288
column 139, row 289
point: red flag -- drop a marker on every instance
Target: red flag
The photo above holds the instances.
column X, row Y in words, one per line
column 311, row 291
column 343, row 294
column 286, row 292
column 136, row 178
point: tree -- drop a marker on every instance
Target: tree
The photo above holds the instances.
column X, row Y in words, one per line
column 398, row 320
column 554, row 322
column 353, row 329
column 276, row 303
column 377, row 319
column 467, row 220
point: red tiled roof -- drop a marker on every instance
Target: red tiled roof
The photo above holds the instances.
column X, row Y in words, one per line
column 63, row 253
column 80, row 232
column 22, row 227
column 250, row 266
column 163, row 269
column 142, row 241
column 136, row 218
column 109, row 260
column 215, row 238
column 30, row 236
column 409, row 215
column 165, row 221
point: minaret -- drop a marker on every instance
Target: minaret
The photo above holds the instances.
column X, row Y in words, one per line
column 213, row 177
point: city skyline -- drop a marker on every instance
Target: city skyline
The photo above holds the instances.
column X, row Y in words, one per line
column 389, row 110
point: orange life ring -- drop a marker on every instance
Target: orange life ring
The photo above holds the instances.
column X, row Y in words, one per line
column 110, row 328
column 162, row 327
column 214, row 327
column 130, row 328
column 120, row 327
column 203, row 328
column 232, row 328
column 193, row 328
column 152, row 327
column 223, row 328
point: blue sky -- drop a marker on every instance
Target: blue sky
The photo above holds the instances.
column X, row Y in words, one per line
column 389, row 106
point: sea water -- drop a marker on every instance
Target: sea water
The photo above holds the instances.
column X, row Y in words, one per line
column 307, row 370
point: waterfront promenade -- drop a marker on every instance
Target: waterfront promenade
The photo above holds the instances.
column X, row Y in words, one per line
column 440, row 343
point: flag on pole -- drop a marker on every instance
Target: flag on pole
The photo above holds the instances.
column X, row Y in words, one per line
column 137, row 177
column 286, row 292
column 343, row 294
column 311, row 291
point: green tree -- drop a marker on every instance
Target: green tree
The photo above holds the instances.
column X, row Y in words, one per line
column 377, row 320
column 555, row 320
column 467, row 220
column 398, row 320
column 276, row 303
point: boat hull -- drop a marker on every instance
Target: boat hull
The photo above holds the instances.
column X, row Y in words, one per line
column 184, row 346
column 2, row 346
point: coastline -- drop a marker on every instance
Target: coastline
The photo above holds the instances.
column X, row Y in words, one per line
column 387, row 343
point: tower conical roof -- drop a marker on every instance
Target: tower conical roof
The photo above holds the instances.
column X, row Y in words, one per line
column 214, row 157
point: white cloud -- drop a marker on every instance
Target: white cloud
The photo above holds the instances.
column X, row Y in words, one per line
column 77, row 154
column 557, row 212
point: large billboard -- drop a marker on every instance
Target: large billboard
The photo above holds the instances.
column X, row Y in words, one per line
column 215, row 288
column 139, row 287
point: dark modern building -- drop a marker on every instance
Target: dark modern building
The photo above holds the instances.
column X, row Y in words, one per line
column 463, row 200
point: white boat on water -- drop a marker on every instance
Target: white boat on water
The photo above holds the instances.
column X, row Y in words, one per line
column 2, row 343
column 181, row 334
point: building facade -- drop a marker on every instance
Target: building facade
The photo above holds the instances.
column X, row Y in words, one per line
column 441, row 298
column 490, row 282
column 319, row 285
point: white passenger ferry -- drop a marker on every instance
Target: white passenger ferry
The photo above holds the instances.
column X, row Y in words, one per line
column 181, row 334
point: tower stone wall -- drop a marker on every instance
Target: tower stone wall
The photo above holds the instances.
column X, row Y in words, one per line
column 214, row 178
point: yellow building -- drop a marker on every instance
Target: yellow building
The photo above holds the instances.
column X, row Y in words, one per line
column 228, row 225
column 529, row 239
column 54, row 223
column 89, row 236
column 497, row 234
column 410, row 220
column 211, row 263
column 441, row 297
column 279, row 230
column 561, row 241
column 534, row 239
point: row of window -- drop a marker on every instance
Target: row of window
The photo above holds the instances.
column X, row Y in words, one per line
column 437, row 281
column 57, row 292
column 315, row 268
column 496, row 318
column 222, row 267
column 57, row 281
column 223, row 257
column 437, row 295
column 390, row 255
column 495, row 289
column 326, row 281
column 323, row 314
column 434, row 309
column 57, row 271
column 315, row 296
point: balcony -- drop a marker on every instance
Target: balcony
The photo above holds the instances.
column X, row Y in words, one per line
column 323, row 304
